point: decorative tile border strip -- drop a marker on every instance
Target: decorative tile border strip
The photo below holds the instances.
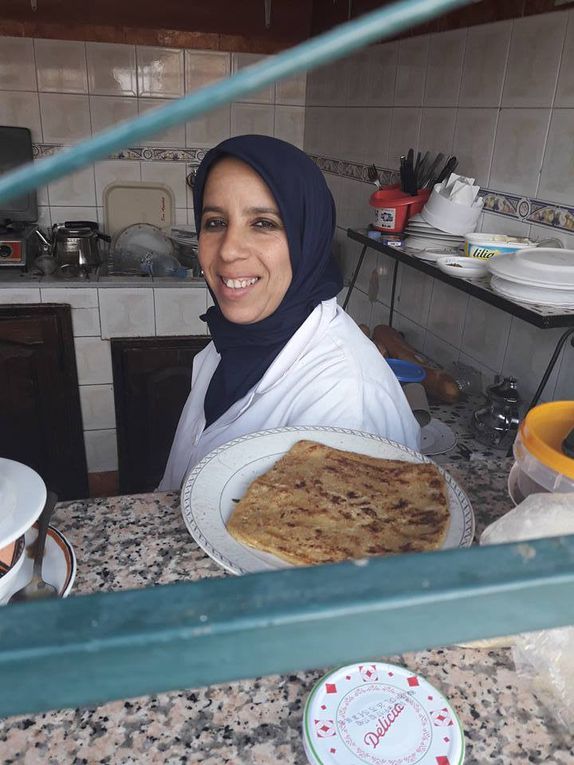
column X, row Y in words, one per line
column 161, row 155
column 40, row 150
column 528, row 210
column 523, row 209
column 145, row 153
column 354, row 170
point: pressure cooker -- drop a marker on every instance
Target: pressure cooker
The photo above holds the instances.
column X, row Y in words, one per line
column 76, row 247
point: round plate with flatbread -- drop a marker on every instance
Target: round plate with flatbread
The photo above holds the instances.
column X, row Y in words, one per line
column 215, row 487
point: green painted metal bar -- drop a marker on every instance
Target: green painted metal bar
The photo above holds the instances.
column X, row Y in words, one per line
column 380, row 24
column 87, row 650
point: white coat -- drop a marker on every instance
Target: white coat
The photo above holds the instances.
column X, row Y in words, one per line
column 328, row 373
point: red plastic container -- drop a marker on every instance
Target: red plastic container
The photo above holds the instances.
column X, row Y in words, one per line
column 393, row 208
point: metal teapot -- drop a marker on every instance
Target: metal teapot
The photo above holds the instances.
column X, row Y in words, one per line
column 496, row 423
column 76, row 247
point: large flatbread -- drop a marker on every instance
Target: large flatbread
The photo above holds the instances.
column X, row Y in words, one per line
column 319, row 504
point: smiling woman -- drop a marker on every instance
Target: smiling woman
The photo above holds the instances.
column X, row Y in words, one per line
column 243, row 245
column 283, row 352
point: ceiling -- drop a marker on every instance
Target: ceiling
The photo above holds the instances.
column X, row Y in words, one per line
column 224, row 24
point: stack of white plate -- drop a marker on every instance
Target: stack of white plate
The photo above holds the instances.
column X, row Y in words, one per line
column 420, row 235
column 542, row 275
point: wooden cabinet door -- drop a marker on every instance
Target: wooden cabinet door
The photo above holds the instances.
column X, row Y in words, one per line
column 40, row 415
column 152, row 380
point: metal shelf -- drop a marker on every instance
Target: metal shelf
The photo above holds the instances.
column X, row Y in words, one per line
column 544, row 317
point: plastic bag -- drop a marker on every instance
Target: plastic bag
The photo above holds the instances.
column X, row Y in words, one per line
column 139, row 260
column 544, row 659
column 158, row 264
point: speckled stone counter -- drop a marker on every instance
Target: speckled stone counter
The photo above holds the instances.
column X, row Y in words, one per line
column 459, row 418
column 138, row 541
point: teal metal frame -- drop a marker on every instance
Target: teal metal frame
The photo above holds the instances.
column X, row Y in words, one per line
column 87, row 650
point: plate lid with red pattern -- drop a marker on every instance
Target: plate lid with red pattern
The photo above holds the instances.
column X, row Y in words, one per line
column 380, row 714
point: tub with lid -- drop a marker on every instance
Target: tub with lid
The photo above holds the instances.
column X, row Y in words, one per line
column 542, row 456
column 379, row 713
column 484, row 246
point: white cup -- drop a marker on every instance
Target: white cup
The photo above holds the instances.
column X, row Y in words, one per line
column 449, row 216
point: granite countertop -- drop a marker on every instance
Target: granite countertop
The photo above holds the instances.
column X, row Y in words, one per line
column 458, row 417
column 138, row 541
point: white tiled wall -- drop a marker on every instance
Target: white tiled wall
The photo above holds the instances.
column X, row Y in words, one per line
column 127, row 312
column 65, row 90
column 100, row 314
column 177, row 311
column 441, row 86
column 501, row 98
column 98, row 411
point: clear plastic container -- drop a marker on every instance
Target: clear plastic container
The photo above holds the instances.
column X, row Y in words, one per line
column 541, row 465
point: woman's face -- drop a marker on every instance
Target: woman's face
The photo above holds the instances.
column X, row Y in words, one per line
column 243, row 247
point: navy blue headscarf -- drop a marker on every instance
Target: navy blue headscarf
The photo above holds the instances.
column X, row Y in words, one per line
column 308, row 213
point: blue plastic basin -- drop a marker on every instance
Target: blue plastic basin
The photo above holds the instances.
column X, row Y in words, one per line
column 406, row 371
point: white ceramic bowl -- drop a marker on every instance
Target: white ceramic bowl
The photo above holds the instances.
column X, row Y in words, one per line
column 449, row 216
column 463, row 267
column 9, row 577
column 433, row 255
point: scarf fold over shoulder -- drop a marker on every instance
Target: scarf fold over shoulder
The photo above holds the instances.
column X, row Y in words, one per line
column 308, row 213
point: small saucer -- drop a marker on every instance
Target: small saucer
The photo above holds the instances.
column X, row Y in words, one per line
column 437, row 438
column 58, row 567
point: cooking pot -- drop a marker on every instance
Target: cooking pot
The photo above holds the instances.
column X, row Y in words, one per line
column 77, row 248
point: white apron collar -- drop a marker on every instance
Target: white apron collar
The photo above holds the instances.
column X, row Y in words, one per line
column 311, row 328
column 297, row 346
